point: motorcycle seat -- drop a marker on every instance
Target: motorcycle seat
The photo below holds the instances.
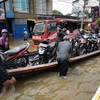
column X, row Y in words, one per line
column 16, row 50
column 51, row 46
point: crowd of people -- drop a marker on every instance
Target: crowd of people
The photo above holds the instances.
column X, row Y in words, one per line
column 63, row 41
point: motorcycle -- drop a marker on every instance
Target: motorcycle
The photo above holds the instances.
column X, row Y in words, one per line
column 95, row 42
column 46, row 53
column 74, row 43
column 84, row 45
column 16, row 57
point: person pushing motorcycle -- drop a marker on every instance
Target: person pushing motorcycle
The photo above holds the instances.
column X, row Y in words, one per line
column 5, row 78
column 63, row 55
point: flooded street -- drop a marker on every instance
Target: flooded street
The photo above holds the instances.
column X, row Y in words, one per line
column 16, row 42
column 82, row 81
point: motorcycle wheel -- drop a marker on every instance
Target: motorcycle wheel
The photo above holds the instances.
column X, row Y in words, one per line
column 37, row 62
column 22, row 61
column 82, row 51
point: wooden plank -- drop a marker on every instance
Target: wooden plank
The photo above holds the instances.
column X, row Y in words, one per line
column 35, row 68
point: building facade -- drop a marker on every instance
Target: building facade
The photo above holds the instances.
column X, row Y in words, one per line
column 78, row 5
column 22, row 14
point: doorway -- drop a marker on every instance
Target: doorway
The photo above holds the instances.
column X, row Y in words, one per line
column 30, row 25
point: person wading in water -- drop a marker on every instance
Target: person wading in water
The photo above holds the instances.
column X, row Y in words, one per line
column 63, row 55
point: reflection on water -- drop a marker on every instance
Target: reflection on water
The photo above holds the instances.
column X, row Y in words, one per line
column 81, row 83
column 16, row 42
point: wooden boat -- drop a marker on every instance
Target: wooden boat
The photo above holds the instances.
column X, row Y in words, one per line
column 36, row 68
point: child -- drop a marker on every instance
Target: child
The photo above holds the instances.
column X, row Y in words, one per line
column 25, row 34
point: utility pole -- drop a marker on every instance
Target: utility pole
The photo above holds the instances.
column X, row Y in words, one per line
column 99, row 8
column 82, row 20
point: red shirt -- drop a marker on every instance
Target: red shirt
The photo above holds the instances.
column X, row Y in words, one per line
column 94, row 25
column 73, row 34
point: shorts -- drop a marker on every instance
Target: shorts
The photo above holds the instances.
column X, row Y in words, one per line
column 3, row 78
column 1, row 86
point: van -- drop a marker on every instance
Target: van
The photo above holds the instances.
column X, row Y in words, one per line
column 45, row 29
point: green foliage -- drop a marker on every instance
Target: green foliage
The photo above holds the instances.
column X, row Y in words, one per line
column 87, row 13
column 98, row 22
column 68, row 14
column 56, row 12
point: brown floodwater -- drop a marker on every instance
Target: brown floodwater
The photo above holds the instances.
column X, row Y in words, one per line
column 82, row 81
column 16, row 42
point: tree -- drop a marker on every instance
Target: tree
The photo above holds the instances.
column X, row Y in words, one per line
column 87, row 13
column 68, row 14
column 56, row 12
column 98, row 22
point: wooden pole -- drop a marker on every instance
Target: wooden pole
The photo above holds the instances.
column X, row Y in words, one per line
column 82, row 21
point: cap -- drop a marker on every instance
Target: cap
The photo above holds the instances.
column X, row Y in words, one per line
column 4, row 31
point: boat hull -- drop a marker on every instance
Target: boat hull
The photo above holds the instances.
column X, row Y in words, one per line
column 36, row 68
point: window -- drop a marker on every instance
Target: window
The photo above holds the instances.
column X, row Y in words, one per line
column 21, row 5
column 53, row 26
column 39, row 28
column 40, row 6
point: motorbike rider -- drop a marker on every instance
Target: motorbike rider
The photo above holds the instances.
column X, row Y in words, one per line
column 5, row 78
column 94, row 26
column 80, row 35
column 4, row 43
column 61, row 31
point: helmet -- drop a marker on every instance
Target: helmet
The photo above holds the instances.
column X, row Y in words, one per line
column 62, row 23
column 81, row 30
column 4, row 31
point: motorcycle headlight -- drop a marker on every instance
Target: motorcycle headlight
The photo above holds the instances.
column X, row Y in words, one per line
column 76, row 44
column 42, row 50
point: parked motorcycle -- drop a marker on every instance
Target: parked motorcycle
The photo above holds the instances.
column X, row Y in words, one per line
column 84, row 44
column 46, row 53
column 74, row 43
column 16, row 57
column 95, row 41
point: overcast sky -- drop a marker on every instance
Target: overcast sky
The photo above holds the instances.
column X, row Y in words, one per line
column 64, row 6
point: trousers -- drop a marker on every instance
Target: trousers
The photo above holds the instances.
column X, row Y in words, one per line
column 63, row 66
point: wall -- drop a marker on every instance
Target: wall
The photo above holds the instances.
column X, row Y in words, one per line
column 19, row 25
column 49, row 7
